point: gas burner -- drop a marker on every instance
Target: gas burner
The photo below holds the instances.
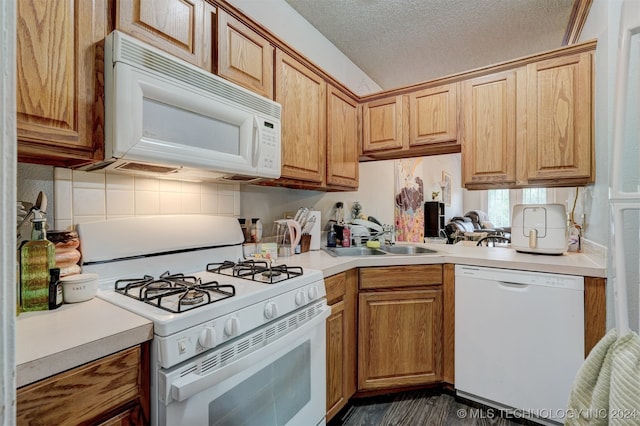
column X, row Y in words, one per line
column 271, row 273
column 192, row 297
column 174, row 292
column 255, row 270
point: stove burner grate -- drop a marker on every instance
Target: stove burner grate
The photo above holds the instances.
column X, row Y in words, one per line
column 255, row 270
column 190, row 291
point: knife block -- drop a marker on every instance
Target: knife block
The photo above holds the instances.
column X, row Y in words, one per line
column 305, row 243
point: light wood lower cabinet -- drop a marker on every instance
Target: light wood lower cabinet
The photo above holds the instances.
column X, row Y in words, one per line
column 400, row 329
column 113, row 390
column 401, row 320
column 341, row 340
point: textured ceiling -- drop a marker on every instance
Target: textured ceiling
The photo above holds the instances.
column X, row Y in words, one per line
column 401, row 42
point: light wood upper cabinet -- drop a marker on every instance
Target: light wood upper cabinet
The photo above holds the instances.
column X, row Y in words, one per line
column 342, row 139
column 59, row 54
column 433, row 115
column 559, row 120
column 423, row 122
column 530, row 126
column 179, row 27
column 488, row 130
column 302, row 94
column 385, row 124
column 244, row 56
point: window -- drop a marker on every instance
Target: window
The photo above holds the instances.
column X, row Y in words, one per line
column 534, row 196
column 500, row 202
column 498, row 207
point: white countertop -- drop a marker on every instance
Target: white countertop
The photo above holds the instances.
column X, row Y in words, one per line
column 49, row 342
column 587, row 265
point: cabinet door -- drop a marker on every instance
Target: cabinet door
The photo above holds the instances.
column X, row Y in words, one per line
column 336, row 325
column 116, row 383
column 179, row 27
column 341, row 341
column 399, row 338
column 342, row 139
column 302, row 94
column 559, row 134
column 384, row 126
column 434, row 115
column 244, row 56
column 59, row 56
column 488, row 129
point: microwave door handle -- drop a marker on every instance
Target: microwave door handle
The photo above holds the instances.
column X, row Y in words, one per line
column 256, row 140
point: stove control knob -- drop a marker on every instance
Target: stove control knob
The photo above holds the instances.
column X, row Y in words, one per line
column 300, row 298
column 270, row 310
column 231, row 327
column 313, row 293
column 207, row 337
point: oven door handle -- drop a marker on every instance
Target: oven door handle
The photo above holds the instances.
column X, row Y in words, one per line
column 192, row 383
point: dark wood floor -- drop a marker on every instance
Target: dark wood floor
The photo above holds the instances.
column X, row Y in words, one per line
column 422, row 407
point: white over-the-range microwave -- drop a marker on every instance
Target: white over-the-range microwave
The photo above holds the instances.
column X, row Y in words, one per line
column 166, row 117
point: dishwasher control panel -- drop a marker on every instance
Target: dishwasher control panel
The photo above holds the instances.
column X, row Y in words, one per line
column 511, row 276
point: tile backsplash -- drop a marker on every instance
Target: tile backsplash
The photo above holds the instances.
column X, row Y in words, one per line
column 91, row 196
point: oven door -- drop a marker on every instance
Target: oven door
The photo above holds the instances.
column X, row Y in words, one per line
column 281, row 383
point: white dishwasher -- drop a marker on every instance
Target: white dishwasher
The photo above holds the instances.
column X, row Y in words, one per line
column 519, row 338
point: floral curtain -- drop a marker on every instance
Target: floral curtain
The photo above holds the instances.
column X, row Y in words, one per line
column 409, row 200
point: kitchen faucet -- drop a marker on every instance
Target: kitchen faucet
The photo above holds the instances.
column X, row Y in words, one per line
column 390, row 232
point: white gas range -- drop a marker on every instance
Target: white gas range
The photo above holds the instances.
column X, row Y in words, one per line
column 235, row 341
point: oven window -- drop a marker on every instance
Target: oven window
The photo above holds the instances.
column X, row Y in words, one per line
column 272, row 396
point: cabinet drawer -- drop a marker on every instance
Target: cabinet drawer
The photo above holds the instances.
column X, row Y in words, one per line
column 335, row 286
column 400, row 276
column 84, row 393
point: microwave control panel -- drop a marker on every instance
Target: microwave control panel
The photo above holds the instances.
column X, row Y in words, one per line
column 270, row 146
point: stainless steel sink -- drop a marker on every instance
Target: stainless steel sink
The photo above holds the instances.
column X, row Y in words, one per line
column 353, row 251
column 408, row 250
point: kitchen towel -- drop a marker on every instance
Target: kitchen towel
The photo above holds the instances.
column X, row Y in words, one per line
column 606, row 390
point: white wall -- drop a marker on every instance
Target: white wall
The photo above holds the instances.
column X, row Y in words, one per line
column 375, row 193
column 603, row 24
column 286, row 23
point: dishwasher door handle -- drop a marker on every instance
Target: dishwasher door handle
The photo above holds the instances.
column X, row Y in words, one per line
column 513, row 286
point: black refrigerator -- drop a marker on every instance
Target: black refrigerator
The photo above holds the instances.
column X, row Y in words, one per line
column 434, row 219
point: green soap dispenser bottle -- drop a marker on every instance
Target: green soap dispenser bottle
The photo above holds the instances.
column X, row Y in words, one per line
column 37, row 257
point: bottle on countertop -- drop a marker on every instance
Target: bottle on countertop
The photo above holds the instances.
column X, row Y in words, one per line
column 245, row 230
column 37, row 258
column 331, row 237
column 346, row 237
column 256, row 230
column 55, row 289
